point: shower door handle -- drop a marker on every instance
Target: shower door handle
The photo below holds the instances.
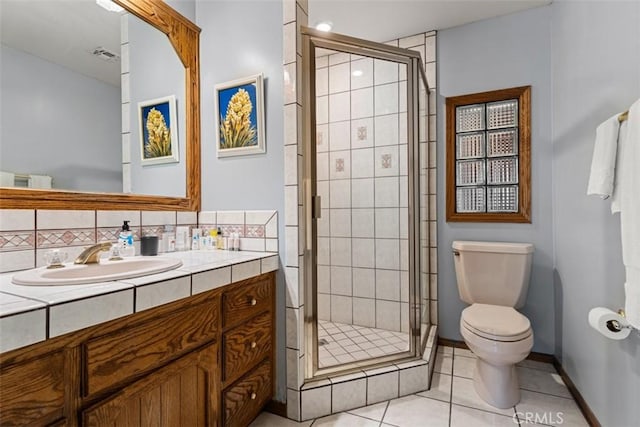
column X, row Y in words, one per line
column 316, row 207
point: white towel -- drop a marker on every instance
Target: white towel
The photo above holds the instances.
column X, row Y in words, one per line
column 7, row 179
column 632, row 303
column 603, row 163
column 630, row 195
column 39, row 181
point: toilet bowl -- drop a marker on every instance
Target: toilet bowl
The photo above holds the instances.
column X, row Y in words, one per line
column 500, row 337
column 493, row 277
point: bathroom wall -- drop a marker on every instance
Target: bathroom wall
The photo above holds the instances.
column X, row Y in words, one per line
column 499, row 53
column 46, row 112
column 596, row 74
column 239, row 39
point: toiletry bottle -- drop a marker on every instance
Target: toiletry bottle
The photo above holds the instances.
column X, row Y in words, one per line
column 213, row 239
column 169, row 236
column 219, row 239
column 125, row 241
column 195, row 239
column 182, row 238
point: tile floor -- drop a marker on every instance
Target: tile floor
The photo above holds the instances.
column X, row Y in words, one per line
column 348, row 343
column 453, row 402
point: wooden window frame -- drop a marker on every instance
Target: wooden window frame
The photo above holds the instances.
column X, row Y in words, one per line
column 523, row 215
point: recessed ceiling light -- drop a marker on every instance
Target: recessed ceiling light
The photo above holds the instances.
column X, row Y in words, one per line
column 324, row 26
column 109, row 5
column 357, row 73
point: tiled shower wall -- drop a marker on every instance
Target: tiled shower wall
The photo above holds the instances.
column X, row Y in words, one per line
column 325, row 397
column 362, row 160
column 26, row 235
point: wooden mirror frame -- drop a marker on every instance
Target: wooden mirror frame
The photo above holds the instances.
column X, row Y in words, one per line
column 185, row 38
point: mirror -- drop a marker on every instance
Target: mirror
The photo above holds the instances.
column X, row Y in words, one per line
column 84, row 131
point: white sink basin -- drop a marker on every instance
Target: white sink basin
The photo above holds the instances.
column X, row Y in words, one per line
column 105, row 271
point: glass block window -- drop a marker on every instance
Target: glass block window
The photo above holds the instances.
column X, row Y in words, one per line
column 487, row 143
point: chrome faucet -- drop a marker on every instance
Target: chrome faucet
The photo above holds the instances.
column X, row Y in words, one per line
column 91, row 255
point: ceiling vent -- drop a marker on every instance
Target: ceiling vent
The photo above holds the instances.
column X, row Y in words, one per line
column 105, row 54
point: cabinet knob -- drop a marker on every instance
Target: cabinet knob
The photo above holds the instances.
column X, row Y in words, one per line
column 253, row 344
column 254, row 301
column 253, row 396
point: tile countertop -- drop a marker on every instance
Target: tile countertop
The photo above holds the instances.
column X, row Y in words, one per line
column 29, row 314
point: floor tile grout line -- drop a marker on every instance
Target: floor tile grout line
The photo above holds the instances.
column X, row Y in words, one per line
column 481, row 409
column 384, row 414
column 547, row 394
column 453, row 364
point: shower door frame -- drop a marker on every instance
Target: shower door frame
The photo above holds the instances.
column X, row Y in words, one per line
column 312, row 39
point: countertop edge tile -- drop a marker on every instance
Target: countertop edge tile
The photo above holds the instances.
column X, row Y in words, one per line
column 53, row 300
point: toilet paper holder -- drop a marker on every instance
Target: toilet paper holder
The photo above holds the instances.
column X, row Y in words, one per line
column 615, row 326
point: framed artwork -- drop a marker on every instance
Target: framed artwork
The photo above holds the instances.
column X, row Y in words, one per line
column 240, row 117
column 158, row 131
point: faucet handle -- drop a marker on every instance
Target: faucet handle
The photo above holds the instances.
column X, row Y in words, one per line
column 115, row 253
column 55, row 258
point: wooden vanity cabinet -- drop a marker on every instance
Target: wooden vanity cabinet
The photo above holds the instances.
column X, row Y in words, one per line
column 206, row 360
column 247, row 350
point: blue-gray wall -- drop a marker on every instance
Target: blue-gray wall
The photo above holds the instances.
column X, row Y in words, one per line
column 55, row 121
column 495, row 54
column 596, row 74
column 239, row 39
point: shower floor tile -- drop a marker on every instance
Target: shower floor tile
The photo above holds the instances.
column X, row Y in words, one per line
column 343, row 343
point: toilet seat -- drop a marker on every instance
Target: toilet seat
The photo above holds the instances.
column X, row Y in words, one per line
column 496, row 323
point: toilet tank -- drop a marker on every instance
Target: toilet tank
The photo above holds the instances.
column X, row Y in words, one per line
column 493, row 272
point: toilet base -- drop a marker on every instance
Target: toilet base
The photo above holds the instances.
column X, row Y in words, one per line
column 497, row 385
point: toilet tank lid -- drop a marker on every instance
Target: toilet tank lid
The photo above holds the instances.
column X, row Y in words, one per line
column 499, row 247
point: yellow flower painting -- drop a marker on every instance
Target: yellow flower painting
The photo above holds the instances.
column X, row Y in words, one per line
column 240, row 129
column 158, row 136
column 236, row 129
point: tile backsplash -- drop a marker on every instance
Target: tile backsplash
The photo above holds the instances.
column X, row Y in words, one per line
column 27, row 234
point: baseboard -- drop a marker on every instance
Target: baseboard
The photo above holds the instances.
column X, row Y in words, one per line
column 451, row 343
column 278, row 408
column 546, row 358
column 582, row 404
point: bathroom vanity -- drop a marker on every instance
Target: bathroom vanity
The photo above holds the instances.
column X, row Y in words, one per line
column 205, row 359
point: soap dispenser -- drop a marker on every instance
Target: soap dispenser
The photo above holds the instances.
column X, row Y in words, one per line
column 125, row 241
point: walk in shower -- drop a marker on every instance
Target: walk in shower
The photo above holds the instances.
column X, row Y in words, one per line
column 367, row 257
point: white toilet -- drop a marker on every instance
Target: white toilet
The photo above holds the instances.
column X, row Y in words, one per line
column 494, row 277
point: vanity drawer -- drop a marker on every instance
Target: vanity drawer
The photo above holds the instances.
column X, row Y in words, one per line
column 244, row 400
column 115, row 358
column 246, row 300
column 246, row 344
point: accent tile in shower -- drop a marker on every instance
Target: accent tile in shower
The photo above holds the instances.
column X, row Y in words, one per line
column 362, row 133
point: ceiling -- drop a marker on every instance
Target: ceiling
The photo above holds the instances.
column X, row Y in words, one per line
column 383, row 20
column 64, row 32
column 67, row 31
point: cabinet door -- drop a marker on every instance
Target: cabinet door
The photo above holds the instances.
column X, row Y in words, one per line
column 179, row 394
column 32, row 391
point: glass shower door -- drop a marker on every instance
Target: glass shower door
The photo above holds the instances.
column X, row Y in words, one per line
column 363, row 175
